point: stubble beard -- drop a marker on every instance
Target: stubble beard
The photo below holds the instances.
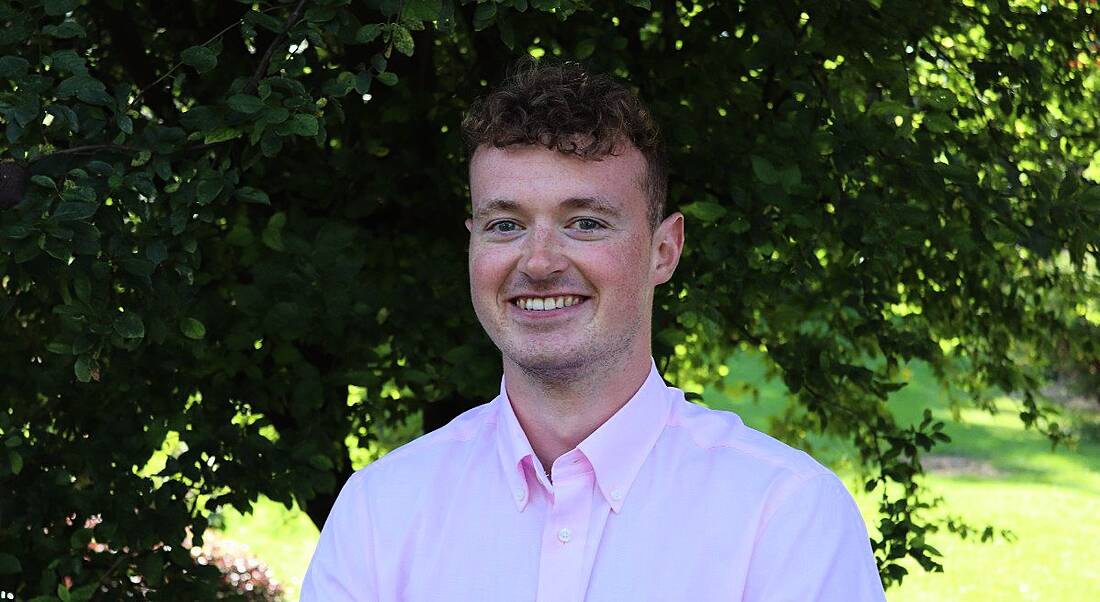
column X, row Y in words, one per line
column 553, row 368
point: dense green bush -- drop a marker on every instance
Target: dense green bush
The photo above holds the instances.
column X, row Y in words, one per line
column 219, row 216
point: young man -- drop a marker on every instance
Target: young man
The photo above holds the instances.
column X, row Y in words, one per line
column 587, row 478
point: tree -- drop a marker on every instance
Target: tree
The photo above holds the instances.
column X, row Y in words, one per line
column 217, row 217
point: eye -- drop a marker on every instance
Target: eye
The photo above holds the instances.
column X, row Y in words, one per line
column 503, row 227
column 587, row 224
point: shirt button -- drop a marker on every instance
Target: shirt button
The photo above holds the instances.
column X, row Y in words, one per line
column 616, row 495
column 520, row 495
column 565, row 535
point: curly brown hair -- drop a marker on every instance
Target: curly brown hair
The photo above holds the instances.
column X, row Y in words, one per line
column 565, row 108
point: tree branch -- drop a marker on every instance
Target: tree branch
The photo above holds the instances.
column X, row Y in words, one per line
column 279, row 39
column 180, row 64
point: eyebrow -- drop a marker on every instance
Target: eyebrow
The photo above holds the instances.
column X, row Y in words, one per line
column 593, row 204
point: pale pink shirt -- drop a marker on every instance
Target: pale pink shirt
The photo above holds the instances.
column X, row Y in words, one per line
column 666, row 501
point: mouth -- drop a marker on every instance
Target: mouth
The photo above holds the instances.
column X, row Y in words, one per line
column 547, row 305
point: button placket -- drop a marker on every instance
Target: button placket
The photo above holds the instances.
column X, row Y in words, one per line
column 561, row 560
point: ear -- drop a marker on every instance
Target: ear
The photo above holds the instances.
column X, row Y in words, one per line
column 470, row 225
column 668, row 243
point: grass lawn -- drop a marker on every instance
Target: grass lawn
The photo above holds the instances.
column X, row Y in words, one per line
column 992, row 473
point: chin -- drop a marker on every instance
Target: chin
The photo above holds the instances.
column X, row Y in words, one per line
column 556, row 360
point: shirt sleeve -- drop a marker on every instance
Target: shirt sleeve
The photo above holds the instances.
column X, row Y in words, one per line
column 814, row 547
column 342, row 568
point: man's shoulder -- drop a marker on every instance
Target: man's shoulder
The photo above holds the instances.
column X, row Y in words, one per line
column 724, row 437
column 431, row 449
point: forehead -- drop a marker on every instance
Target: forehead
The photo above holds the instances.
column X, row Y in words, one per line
column 534, row 174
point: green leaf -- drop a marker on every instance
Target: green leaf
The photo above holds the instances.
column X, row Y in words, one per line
column 80, row 86
column 245, row 103
column 82, row 286
column 274, row 115
column 83, row 368
column 221, row 135
column 484, row 15
column 70, row 211
column 138, row 266
column 192, row 328
column 129, row 326
column 63, row 593
column 200, row 57
column 9, row 565
column 507, row 33
column 59, row 348
column 387, row 77
column 249, row 194
column 704, row 211
column 362, row 82
column 58, row 249
column 422, row 10
column 152, row 569
column 65, row 31
column 790, row 177
column 68, row 61
column 208, row 189
column 938, row 122
column 83, row 194
column 13, row 67
column 157, row 252
column 203, row 118
column 16, row 462
column 64, row 116
column 299, row 124
column 264, row 20
column 764, row 170
column 44, row 181
column 402, row 40
column 56, row 8
column 368, row 33
column 272, row 236
column 100, row 168
column 339, row 85
column 639, row 3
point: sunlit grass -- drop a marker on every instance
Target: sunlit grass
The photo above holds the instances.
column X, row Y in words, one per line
column 1050, row 500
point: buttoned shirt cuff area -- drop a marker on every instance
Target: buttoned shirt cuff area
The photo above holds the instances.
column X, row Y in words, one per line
column 814, row 548
column 342, row 568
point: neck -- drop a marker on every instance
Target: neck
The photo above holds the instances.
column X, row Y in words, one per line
column 557, row 410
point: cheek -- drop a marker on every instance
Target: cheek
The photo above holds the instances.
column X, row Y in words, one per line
column 488, row 268
column 618, row 271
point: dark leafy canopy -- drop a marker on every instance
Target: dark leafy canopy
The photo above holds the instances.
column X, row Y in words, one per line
column 219, row 216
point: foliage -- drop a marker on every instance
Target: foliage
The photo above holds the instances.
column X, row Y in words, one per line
column 219, row 216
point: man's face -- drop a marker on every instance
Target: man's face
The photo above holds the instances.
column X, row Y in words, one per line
column 563, row 262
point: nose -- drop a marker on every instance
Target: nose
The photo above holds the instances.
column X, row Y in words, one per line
column 542, row 256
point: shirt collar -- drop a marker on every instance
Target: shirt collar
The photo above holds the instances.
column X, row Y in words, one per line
column 616, row 450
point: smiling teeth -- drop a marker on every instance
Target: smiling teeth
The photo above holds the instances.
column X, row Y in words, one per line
column 546, row 303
